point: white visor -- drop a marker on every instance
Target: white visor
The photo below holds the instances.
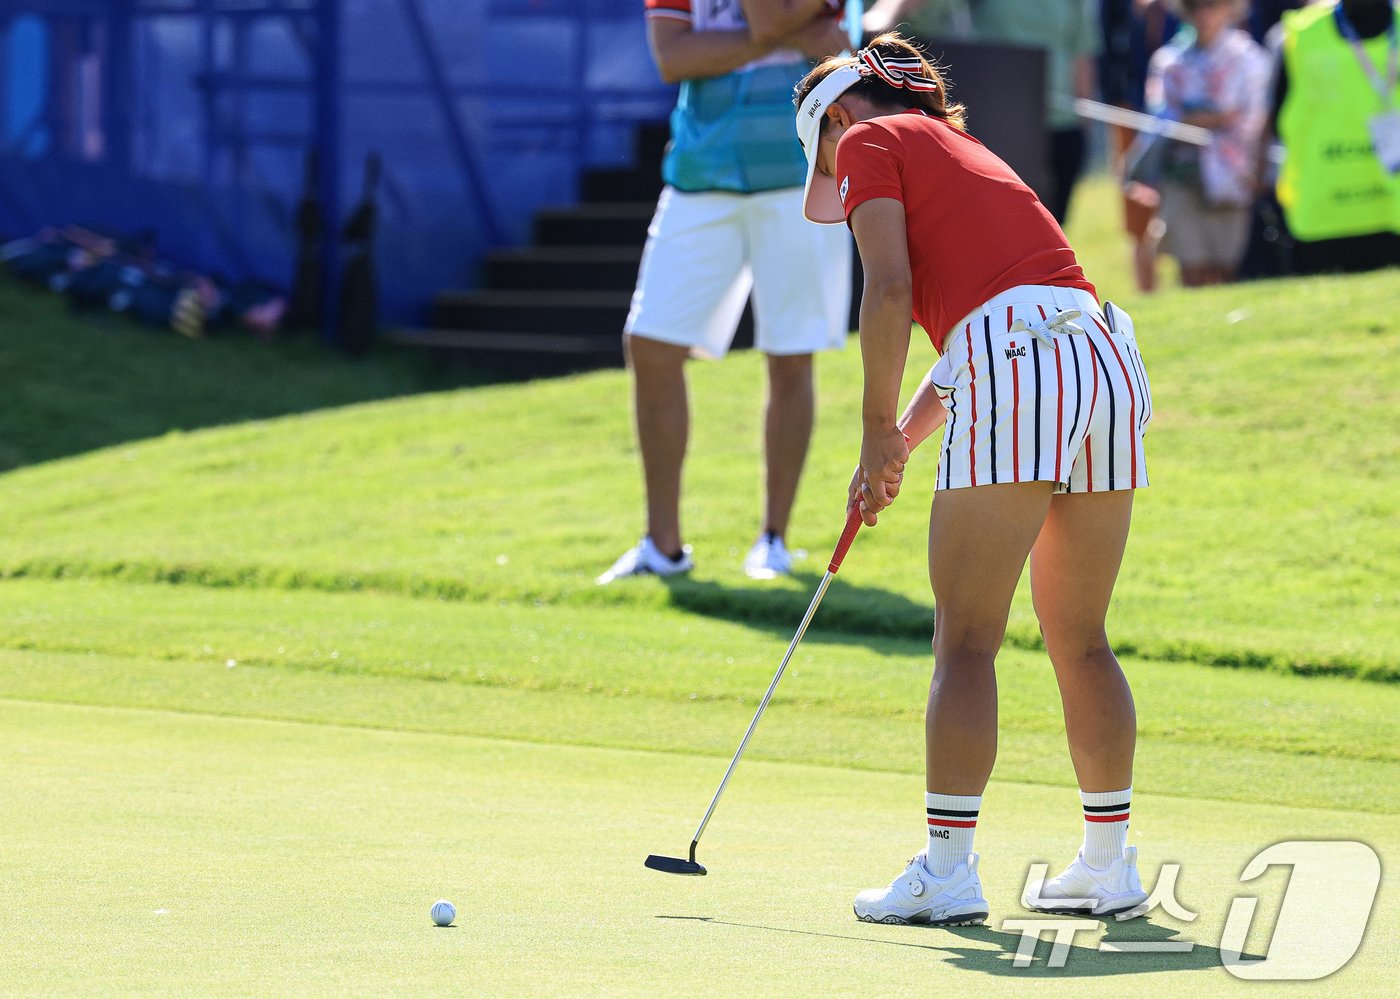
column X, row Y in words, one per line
column 820, row 200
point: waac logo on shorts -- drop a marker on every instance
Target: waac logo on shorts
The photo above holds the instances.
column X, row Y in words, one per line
column 1014, row 351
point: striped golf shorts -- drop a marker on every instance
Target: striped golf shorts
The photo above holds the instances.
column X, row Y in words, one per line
column 1043, row 405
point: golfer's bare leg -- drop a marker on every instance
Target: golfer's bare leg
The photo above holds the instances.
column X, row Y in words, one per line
column 662, row 415
column 1073, row 568
column 787, row 433
column 979, row 538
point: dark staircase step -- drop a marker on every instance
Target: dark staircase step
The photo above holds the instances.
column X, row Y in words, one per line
column 572, row 312
column 650, row 144
column 564, row 267
column 636, row 184
column 516, row 354
column 605, row 224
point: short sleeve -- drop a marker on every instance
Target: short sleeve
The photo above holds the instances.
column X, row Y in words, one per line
column 678, row 10
column 869, row 164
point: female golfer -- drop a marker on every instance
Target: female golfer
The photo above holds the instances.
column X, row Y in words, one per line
column 1045, row 398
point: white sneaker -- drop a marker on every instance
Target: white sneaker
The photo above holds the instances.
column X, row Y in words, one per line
column 646, row 559
column 768, row 559
column 916, row 896
column 1083, row 891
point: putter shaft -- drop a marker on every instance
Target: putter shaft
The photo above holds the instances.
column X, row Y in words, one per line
column 743, row 744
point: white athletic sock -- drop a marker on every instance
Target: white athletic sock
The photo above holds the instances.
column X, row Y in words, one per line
column 1105, row 826
column 952, row 819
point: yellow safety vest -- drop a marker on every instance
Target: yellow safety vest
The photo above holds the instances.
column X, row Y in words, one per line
column 1332, row 185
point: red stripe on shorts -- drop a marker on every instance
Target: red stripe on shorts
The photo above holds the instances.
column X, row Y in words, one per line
column 972, row 377
column 1015, row 421
column 1093, row 404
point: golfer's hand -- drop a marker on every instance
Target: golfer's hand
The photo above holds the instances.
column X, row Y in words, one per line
column 856, row 493
column 882, row 457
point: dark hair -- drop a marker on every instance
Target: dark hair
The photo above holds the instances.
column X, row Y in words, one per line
column 890, row 45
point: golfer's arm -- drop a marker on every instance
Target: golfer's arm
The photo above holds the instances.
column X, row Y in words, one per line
column 923, row 416
column 772, row 21
column 886, row 306
column 683, row 54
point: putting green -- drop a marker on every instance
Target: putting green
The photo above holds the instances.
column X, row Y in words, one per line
column 178, row 853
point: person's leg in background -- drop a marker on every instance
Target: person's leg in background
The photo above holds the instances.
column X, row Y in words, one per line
column 788, row 419
column 691, row 290
column 661, row 411
column 801, row 304
column 1067, row 151
column 1139, row 214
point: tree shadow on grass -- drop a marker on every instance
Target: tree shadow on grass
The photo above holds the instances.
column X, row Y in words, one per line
column 881, row 620
column 1135, row 947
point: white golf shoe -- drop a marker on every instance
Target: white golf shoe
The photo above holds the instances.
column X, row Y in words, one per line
column 645, row 559
column 916, row 896
column 1083, row 891
column 768, row 558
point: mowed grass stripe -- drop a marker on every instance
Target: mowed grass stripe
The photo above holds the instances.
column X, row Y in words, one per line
column 192, row 843
column 687, row 685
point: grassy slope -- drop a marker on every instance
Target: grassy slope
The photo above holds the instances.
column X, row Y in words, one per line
column 74, row 384
column 1264, row 541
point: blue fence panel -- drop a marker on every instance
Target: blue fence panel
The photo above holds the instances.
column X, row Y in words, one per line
column 194, row 118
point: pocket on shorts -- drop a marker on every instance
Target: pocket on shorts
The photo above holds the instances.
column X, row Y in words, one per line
column 944, row 375
column 1119, row 321
column 1121, row 324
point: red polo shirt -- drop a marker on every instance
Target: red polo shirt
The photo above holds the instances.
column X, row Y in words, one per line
column 975, row 229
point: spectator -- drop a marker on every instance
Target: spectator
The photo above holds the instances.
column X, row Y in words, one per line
column 1264, row 14
column 1069, row 32
column 730, row 220
column 921, row 18
column 1333, row 108
column 1218, row 82
column 1133, row 30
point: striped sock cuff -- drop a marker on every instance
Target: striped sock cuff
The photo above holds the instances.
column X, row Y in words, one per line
column 955, row 811
column 1106, row 806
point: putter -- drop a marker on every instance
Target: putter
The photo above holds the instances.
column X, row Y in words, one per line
column 675, row 865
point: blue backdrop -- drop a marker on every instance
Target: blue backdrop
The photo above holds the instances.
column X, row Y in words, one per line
column 194, row 118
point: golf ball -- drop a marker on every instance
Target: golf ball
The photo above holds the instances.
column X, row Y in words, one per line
column 444, row 912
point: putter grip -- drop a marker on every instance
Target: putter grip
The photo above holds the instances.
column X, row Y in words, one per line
column 848, row 535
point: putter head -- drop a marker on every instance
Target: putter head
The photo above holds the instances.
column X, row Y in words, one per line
column 675, row 865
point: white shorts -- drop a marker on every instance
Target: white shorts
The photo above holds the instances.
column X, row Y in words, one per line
column 1020, row 410
column 704, row 254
